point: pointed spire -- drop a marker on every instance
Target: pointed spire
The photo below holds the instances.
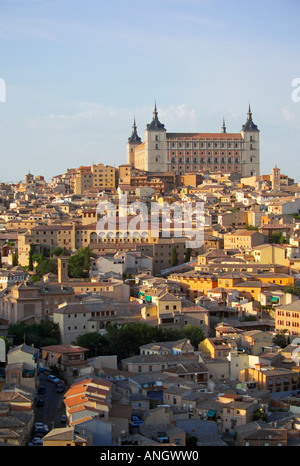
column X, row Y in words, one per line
column 155, row 113
column 155, row 124
column 223, row 127
column 134, row 135
column 249, row 114
column 249, row 125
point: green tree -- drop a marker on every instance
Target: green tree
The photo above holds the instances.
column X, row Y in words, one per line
column 188, row 254
column 174, row 256
column 58, row 251
column 45, row 266
column 260, row 415
column 125, row 341
column 41, row 334
column 277, row 238
column 15, row 259
column 280, row 339
column 30, row 259
column 293, row 289
column 194, row 334
column 97, row 345
column 79, row 263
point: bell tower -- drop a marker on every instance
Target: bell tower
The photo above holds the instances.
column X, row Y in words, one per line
column 251, row 154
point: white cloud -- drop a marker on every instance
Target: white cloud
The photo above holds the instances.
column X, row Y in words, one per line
column 287, row 114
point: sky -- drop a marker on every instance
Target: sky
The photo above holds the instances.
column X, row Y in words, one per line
column 75, row 73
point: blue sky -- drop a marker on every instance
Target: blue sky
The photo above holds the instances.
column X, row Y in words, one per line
column 78, row 71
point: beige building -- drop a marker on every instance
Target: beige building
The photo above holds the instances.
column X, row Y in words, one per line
column 217, row 347
column 82, row 180
column 236, row 414
column 270, row 254
column 243, row 239
column 28, row 301
column 67, row 359
column 255, row 340
column 156, row 362
column 273, row 379
column 287, row 318
column 103, row 176
column 66, row 437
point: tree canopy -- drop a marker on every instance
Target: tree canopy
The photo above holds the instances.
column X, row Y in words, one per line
column 79, row 263
column 41, row 334
column 125, row 341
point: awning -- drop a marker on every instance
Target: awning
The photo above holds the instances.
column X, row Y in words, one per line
column 274, row 299
column 211, row 413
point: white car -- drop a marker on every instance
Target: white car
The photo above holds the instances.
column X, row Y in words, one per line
column 53, row 378
column 40, row 425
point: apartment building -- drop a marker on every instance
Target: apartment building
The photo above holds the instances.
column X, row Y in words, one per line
column 273, row 379
column 287, row 318
column 67, row 359
column 82, row 180
column 103, row 176
column 243, row 239
column 33, row 302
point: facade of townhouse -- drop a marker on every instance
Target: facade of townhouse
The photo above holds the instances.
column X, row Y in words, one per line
column 287, row 318
column 243, row 239
column 156, row 362
column 67, row 359
column 33, row 301
column 66, row 437
column 194, row 284
column 260, row 434
column 237, row 413
column 217, row 347
column 255, row 340
column 92, row 315
column 273, row 379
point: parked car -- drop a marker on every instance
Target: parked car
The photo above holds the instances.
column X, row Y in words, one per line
column 53, row 378
column 136, row 421
column 63, row 419
column 40, row 425
column 60, row 388
column 39, row 403
column 41, row 390
column 40, row 432
column 36, row 441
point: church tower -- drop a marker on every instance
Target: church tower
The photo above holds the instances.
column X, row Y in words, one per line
column 251, row 157
column 133, row 141
column 156, row 154
column 276, row 179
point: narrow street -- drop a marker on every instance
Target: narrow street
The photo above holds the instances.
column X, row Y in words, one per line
column 53, row 407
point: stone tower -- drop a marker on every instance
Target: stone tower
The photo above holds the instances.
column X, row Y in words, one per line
column 62, row 268
column 133, row 141
column 156, row 158
column 251, row 153
column 276, row 179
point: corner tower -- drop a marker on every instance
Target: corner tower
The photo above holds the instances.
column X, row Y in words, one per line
column 133, row 141
column 156, row 154
column 251, row 153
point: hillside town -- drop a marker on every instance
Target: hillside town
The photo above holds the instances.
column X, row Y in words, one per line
column 144, row 340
